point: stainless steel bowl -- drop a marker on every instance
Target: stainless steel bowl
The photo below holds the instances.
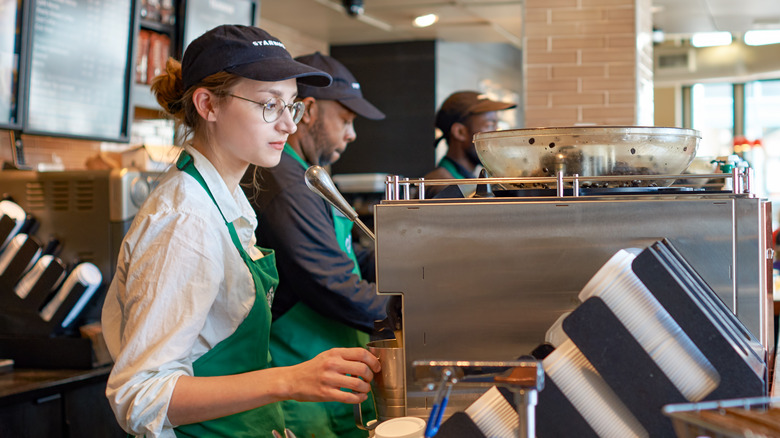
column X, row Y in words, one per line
column 589, row 151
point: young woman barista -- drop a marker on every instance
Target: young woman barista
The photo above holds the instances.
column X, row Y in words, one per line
column 187, row 314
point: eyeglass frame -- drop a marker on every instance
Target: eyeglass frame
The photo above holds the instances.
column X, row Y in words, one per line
column 297, row 105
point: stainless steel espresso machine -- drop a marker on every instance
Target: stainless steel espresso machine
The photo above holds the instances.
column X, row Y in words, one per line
column 483, row 278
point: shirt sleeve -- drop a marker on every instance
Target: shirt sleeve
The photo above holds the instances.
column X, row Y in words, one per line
column 166, row 281
column 313, row 269
column 366, row 260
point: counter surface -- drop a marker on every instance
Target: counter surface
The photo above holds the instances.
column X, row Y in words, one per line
column 25, row 384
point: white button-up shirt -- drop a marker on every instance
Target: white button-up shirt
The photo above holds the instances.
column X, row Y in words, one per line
column 180, row 288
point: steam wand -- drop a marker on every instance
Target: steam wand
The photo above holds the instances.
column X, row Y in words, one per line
column 319, row 182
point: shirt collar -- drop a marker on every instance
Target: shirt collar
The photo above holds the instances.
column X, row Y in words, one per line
column 226, row 201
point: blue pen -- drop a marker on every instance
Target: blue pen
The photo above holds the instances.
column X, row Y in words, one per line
column 439, row 404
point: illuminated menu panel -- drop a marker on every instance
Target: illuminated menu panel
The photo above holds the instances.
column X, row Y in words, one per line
column 203, row 15
column 78, row 68
column 10, row 20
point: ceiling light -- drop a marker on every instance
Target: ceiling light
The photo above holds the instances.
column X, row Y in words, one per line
column 353, row 7
column 425, row 20
column 658, row 36
column 710, row 39
column 762, row 37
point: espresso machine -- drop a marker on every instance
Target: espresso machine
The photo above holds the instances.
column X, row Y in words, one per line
column 484, row 278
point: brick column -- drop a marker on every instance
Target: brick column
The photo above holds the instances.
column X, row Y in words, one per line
column 588, row 61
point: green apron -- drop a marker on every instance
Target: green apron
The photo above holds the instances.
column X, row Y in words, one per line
column 448, row 164
column 245, row 350
column 300, row 335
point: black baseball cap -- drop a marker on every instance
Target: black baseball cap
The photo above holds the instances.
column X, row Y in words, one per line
column 345, row 88
column 246, row 51
column 462, row 104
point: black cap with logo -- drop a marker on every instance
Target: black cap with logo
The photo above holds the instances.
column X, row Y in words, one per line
column 345, row 88
column 246, row 51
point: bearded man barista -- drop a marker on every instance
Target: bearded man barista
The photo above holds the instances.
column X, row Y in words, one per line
column 322, row 299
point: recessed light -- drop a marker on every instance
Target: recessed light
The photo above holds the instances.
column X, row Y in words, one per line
column 711, row 39
column 762, row 37
column 425, row 20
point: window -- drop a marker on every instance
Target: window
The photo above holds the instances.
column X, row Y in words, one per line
column 762, row 122
column 713, row 115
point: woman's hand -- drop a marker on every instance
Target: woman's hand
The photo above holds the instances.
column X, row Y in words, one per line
column 322, row 378
column 198, row 399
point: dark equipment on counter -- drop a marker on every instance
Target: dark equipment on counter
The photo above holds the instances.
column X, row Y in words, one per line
column 12, row 218
column 19, row 256
column 47, row 293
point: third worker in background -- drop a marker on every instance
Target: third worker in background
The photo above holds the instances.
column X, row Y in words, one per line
column 462, row 115
column 322, row 300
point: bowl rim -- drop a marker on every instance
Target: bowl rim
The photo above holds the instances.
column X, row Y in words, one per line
column 587, row 130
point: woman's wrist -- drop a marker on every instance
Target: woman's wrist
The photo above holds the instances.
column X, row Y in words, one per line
column 278, row 382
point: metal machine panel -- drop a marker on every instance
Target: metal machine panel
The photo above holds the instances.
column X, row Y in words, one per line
column 88, row 211
column 483, row 279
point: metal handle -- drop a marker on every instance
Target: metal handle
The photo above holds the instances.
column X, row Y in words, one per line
column 319, row 182
column 357, row 412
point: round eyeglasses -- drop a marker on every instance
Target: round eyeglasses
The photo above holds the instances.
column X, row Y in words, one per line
column 273, row 108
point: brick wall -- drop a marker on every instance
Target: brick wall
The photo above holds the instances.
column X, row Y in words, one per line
column 588, row 61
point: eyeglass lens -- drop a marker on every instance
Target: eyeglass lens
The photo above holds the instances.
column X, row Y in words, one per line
column 274, row 107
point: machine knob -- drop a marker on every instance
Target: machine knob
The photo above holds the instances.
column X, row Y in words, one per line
column 139, row 190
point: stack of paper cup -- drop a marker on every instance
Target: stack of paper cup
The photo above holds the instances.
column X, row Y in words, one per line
column 493, row 415
column 599, row 406
column 652, row 327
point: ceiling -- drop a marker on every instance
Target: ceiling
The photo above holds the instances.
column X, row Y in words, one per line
column 391, row 20
column 493, row 20
column 685, row 17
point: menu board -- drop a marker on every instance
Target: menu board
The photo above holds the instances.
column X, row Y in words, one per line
column 10, row 51
column 203, row 15
column 78, row 74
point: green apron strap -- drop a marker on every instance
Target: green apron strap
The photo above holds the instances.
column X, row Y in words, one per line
column 343, row 227
column 185, row 163
column 448, row 164
column 246, row 349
